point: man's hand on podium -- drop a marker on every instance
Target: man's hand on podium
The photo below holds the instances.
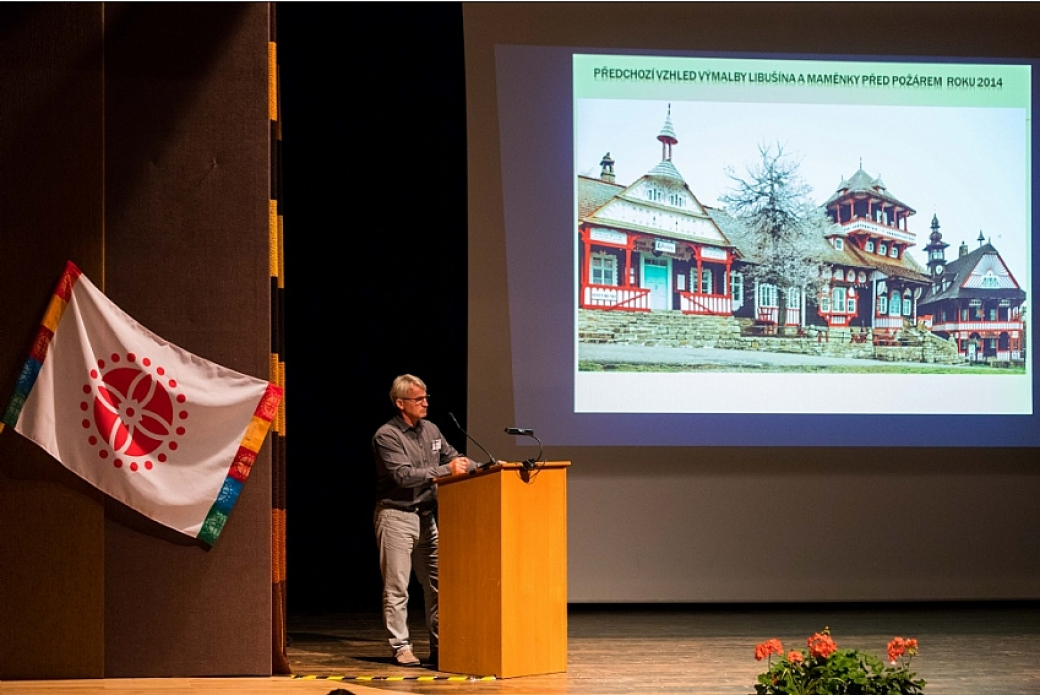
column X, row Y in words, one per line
column 459, row 465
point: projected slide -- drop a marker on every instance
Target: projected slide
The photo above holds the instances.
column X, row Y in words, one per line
column 800, row 236
column 767, row 250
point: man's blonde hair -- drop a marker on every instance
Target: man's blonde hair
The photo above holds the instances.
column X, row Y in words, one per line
column 401, row 384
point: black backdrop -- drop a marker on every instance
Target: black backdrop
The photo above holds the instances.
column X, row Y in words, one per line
column 374, row 205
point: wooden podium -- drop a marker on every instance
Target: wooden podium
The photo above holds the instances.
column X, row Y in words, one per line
column 503, row 571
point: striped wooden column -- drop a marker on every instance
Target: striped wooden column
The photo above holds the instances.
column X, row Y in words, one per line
column 280, row 660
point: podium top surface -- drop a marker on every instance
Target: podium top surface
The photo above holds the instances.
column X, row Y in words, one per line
column 498, row 467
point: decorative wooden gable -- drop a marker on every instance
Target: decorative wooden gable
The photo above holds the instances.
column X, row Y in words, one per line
column 662, row 206
column 990, row 273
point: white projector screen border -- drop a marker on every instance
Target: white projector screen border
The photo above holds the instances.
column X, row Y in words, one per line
column 574, row 407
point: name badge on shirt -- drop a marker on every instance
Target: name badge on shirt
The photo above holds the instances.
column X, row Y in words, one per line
column 436, row 446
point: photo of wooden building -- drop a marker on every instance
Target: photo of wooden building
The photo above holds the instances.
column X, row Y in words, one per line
column 652, row 246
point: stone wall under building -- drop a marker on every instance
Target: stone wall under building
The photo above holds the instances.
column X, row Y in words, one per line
column 675, row 329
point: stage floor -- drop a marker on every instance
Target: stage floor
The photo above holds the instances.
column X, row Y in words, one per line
column 965, row 649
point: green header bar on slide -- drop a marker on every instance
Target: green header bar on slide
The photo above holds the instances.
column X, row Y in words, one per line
column 755, row 80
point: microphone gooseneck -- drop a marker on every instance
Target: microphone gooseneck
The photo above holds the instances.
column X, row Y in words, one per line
column 491, row 459
column 527, row 432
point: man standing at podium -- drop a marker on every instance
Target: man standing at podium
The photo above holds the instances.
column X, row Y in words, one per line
column 410, row 452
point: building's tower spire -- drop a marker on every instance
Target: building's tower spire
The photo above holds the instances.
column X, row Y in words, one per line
column 667, row 136
column 936, row 250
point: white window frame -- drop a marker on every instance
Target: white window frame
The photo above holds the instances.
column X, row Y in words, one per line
column 736, row 286
column 706, row 280
column 794, row 298
column 767, row 295
column 895, row 304
column 609, row 262
column 838, row 299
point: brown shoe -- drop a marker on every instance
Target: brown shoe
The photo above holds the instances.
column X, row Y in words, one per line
column 405, row 657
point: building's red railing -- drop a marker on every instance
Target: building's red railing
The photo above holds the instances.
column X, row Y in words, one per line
column 613, row 298
column 706, row 304
column 771, row 314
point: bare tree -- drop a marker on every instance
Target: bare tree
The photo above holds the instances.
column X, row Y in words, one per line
column 786, row 229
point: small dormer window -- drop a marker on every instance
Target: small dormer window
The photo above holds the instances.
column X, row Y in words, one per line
column 839, row 243
column 882, row 249
column 894, row 253
column 990, row 281
column 870, row 246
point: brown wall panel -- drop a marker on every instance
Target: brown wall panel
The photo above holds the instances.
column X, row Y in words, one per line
column 133, row 141
column 51, row 207
column 187, row 186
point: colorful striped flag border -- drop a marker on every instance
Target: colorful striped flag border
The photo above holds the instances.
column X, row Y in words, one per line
column 38, row 353
column 241, row 465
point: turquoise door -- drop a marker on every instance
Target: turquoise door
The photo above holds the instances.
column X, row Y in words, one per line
column 655, row 279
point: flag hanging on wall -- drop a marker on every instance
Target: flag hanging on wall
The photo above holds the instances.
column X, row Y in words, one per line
column 167, row 433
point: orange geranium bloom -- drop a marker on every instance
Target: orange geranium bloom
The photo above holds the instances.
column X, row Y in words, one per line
column 899, row 646
column 821, row 645
column 795, row 657
column 768, row 647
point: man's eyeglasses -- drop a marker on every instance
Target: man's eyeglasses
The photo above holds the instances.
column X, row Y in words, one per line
column 418, row 399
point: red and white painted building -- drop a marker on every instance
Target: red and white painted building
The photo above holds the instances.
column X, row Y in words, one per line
column 651, row 245
column 872, row 230
column 975, row 300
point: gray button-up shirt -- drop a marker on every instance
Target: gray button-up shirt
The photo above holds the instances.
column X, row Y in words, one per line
column 407, row 461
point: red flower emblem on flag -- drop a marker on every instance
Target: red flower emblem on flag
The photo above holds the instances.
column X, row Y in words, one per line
column 136, row 416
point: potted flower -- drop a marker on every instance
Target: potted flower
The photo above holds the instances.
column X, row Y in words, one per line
column 823, row 669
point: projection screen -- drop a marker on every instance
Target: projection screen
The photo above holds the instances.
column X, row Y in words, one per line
column 628, row 307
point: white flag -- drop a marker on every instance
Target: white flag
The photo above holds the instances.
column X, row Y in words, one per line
column 165, row 432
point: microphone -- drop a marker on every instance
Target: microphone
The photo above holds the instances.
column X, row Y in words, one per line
column 527, row 432
column 491, row 459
